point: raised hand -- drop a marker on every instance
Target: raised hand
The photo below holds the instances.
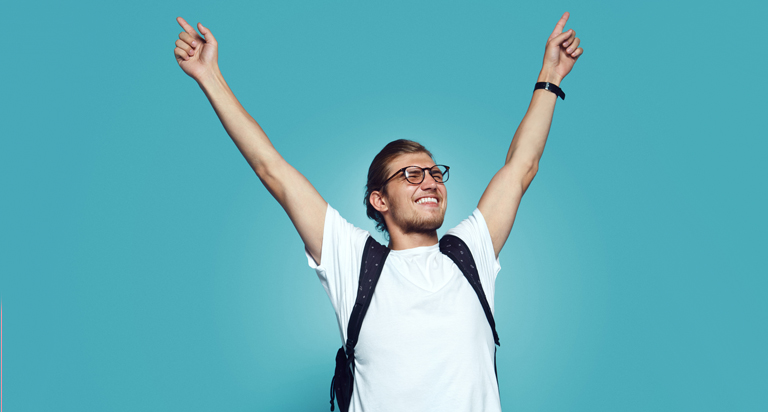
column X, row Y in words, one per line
column 561, row 52
column 196, row 55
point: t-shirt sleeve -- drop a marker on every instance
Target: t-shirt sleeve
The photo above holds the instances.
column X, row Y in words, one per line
column 474, row 232
column 339, row 267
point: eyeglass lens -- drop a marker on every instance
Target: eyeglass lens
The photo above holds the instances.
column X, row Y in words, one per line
column 416, row 174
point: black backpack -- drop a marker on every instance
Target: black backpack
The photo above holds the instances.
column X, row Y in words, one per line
column 374, row 256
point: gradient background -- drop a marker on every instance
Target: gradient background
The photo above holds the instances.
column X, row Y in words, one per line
column 145, row 267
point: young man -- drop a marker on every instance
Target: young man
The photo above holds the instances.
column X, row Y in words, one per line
column 425, row 343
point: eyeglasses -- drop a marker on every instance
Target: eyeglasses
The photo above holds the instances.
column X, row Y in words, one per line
column 415, row 174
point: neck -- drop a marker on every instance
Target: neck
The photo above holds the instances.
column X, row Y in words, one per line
column 399, row 240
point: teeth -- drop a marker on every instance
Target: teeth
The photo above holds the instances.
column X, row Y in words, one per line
column 427, row 199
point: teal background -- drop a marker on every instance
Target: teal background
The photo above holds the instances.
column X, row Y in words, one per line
column 143, row 266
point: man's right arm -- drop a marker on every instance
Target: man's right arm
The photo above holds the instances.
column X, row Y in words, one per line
column 198, row 57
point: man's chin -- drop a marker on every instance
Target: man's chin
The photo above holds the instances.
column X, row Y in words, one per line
column 425, row 226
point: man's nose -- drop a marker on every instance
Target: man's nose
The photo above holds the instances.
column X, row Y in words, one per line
column 429, row 182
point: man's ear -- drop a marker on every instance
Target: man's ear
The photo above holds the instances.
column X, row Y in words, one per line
column 378, row 201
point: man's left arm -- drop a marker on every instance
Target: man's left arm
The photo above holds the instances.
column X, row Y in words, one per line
column 501, row 198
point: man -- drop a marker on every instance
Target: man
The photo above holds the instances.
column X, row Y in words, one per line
column 425, row 343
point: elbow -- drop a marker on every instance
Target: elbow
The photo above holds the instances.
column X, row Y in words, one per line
column 528, row 176
column 268, row 166
column 533, row 168
column 520, row 171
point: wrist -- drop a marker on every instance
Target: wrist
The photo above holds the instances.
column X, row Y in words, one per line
column 210, row 77
column 549, row 76
column 213, row 84
column 550, row 87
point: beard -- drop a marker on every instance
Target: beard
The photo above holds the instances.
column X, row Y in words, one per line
column 411, row 222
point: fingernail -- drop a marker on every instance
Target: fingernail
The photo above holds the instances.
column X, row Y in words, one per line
column 194, row 43
column 570, row 49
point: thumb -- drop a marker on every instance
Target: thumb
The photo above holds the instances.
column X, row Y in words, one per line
column 206, row 34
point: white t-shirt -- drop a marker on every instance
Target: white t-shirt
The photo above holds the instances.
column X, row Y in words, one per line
column 425, row 343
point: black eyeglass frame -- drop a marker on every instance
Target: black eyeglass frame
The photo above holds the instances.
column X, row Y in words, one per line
column 423, row 174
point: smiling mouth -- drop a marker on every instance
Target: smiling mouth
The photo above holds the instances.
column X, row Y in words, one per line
column 427, row 200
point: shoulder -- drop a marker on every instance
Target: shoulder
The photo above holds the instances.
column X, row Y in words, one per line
column 473, row 229
column 474, row 232
column 341, row 234
column 337, row 226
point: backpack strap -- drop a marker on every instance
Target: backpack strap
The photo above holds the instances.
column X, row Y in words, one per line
column 458, row 251
column 374, row 256
column 342, row 384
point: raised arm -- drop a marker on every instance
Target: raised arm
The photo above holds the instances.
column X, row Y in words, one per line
column 501, row 198
column 198, row 57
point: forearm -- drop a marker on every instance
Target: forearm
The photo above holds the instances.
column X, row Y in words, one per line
column 530, row 138
column 501, row 199
column 198, row 58
column 245, row 132
column 303, row 204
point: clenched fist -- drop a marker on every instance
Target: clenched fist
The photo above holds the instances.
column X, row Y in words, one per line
column 197, row 56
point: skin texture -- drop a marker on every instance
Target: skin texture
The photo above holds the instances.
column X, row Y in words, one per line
column 198, row 58
column 502, row 197
column 410, row 224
